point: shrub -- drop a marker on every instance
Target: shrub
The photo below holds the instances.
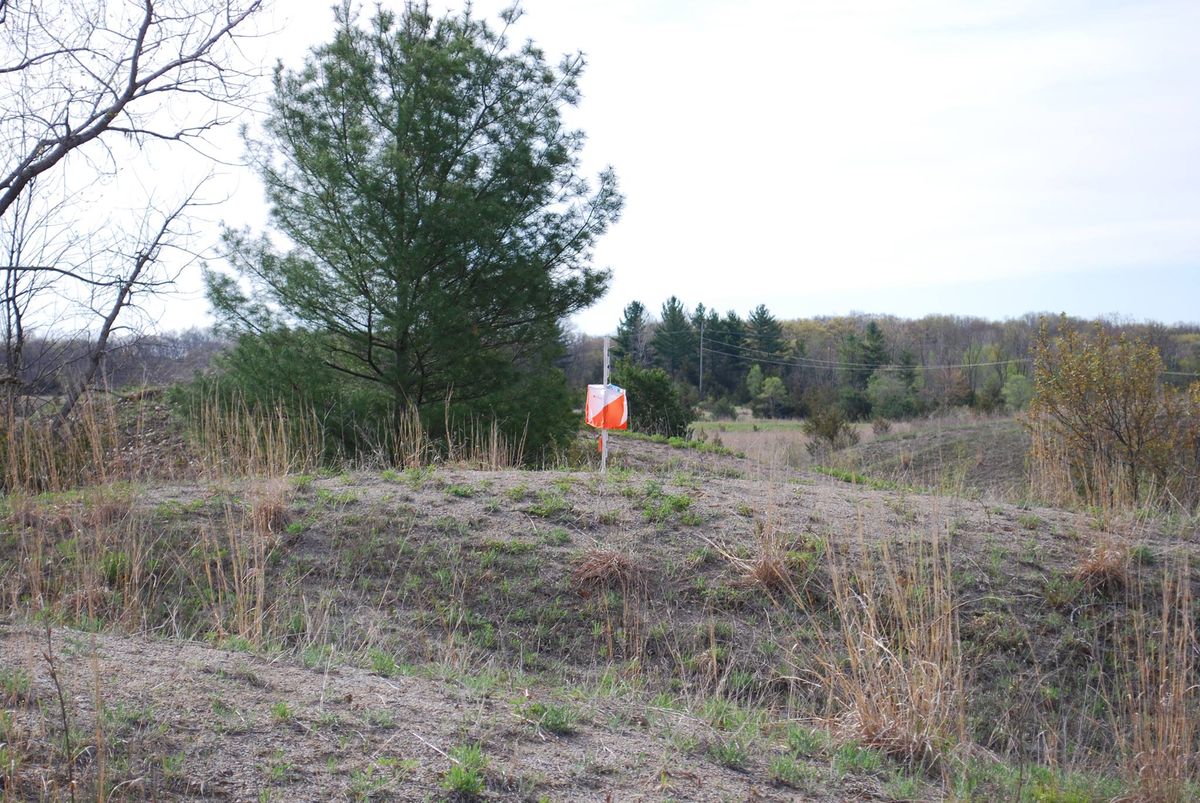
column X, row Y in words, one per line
column 1017, row 392
column 558, row 719
column 723, row 410
column 890, row 397
column 1105, row 428
column 828, row 429
column 465, row 776
column 655, row 406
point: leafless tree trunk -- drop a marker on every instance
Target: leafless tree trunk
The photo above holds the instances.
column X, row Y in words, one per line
column 139, row 278
column 81, row 83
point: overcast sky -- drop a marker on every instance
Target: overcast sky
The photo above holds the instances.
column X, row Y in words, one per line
column 980, row 158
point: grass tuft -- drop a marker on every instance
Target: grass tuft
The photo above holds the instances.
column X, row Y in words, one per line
column 1105, row 568
column 600, row 569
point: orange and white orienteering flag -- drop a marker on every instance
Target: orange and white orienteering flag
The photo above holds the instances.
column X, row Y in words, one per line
column 606, row 407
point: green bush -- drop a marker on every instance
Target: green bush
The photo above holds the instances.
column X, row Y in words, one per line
column 723, row 409
column 829, row 430
column 890, row 397
column 283, row 370
column 655, row 406
column 1017, row 392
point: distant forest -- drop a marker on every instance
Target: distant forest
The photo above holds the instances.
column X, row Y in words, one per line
column 52, row 366
column 869, row 365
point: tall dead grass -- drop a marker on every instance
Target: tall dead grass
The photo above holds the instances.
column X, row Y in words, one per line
column 237, row 439
column 893, row 671
column 224, row 438
column 38, row 455
column 96, row 559
column 1156, row 694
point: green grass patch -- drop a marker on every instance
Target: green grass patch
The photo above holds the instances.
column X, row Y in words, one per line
column 552, row 717
column 854, row 478
column 465, row 776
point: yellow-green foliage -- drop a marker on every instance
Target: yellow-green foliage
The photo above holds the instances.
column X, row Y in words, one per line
column 1105, row 426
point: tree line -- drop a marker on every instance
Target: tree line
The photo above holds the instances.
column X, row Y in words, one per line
column 868, row 366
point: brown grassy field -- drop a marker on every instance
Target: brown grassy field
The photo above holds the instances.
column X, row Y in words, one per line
column 692, row 626
column 960, row 454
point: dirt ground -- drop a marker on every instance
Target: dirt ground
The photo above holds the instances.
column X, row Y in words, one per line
column 415, row 613
column 348, row 734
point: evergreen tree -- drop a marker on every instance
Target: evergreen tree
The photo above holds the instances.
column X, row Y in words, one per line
column 633, row 334
column 863, row 355
column 725, row 337
column 875, row 352
column 764, row 335
column 439, row 229
column 675, row 345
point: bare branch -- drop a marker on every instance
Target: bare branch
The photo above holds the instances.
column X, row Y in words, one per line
column 70, row 78
column 146, row 255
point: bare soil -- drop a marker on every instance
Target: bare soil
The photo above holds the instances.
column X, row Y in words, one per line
column 408, row 614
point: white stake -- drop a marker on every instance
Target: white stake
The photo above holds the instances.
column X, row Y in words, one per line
column 604, row 432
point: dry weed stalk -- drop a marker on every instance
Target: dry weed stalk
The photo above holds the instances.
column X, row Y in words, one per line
column 67, row 745
column 894, row 672
column 1158, row 695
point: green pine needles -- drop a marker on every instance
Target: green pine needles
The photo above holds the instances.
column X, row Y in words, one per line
column 437, row 228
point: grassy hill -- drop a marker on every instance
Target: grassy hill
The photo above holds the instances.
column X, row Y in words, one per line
column 692, row 626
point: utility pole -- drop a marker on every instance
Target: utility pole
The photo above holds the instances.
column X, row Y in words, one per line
column 604, row 431
column 701, row 359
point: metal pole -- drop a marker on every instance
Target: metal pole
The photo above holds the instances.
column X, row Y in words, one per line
column 604, row 432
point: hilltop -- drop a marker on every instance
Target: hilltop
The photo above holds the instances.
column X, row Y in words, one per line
column 667, row 631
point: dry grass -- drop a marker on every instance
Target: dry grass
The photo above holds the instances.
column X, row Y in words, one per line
column 234, row 439
column 1105, row 568
column 619, row 585
column 36, row 456
column 888, row 653
column 894, row 671
column 770, row 570
column 269, row 512
column 1158, row 695
column 602, row 569
column 777, row 562
column 483, row 445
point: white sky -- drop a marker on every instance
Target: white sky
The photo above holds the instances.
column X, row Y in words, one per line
column 983, row 158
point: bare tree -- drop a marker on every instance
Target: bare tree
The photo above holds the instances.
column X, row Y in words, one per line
column 86, row 86
column 73, row 72
column 138, row 277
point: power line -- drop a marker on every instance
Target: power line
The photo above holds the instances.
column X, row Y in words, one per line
column 816, row 362
column 813, row 362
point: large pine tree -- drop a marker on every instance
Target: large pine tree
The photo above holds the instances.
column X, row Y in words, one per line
column 439, row 230
column 633, row 335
